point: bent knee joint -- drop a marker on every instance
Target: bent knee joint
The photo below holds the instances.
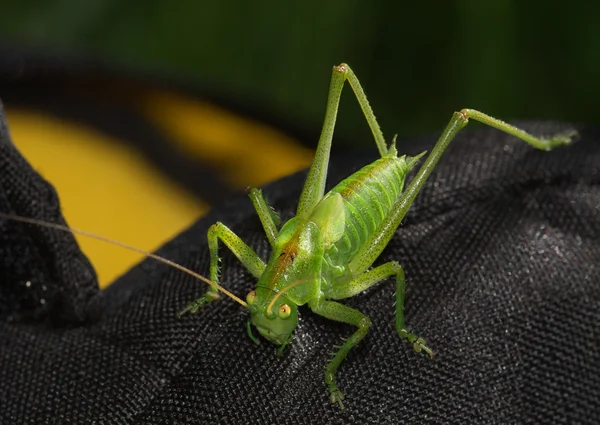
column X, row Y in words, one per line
column 212, row 230
column 364, row 323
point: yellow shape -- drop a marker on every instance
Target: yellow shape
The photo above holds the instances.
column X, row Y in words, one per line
column 105, row 187
column 243, row 151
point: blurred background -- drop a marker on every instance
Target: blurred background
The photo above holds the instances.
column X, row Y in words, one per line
column 143, row 117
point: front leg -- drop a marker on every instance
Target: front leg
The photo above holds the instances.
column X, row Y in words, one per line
column 267, row 215
column 243, row 252
column 341, row 313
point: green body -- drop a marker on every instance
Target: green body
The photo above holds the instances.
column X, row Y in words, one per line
column 316, row 251
column 326, row 251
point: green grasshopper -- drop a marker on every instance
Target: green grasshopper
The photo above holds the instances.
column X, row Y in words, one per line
column 326, row 251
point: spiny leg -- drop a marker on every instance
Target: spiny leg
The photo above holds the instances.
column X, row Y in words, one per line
column 371, row 249
column 267, row 215
column 341, row 313
column 243, row 252
column 314, row 188
column 365, row 281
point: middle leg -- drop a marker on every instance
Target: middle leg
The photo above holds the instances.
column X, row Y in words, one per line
column 341, row 313
column 267, row 215
column 372, row 277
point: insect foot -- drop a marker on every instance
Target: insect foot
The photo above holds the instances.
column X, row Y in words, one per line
column 561, row 139
column 195, row 305
column 336, row 396
column 419, row 344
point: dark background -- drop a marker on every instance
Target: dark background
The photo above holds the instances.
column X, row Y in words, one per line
column 418, row 61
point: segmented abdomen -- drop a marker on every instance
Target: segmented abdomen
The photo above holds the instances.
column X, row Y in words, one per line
column 368, row 196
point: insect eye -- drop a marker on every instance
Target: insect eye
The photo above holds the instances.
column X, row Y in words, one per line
column 251, row 297
column 284, row 311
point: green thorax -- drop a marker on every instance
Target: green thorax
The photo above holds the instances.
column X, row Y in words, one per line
column 295, row 263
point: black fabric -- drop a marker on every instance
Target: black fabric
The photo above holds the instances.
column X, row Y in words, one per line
column 501, row 252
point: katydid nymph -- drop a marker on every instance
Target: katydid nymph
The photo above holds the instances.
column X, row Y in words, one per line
column 326, row 252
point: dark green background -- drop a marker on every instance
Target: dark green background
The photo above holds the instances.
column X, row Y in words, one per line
column 418, row 61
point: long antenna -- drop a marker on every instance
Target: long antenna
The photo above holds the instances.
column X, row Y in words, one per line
column 283, row 290
column 122, row 245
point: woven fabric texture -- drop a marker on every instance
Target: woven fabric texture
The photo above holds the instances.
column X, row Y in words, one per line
column 502, row 257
